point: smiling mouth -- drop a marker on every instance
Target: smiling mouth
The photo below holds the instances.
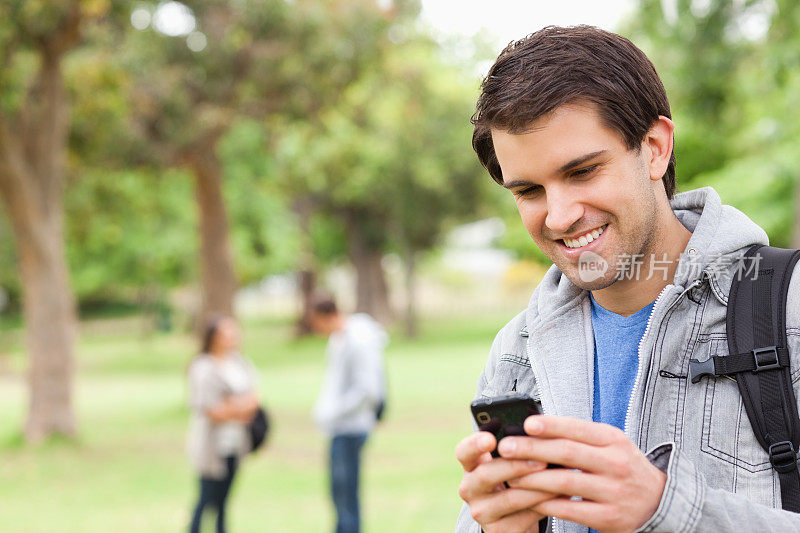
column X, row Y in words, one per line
column 584, row 239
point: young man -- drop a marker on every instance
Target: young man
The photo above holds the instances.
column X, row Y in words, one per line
column 352, row 393
column 575, row 123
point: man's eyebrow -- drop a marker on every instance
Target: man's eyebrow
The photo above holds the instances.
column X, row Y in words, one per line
column 516, row 183
column 582, row 159
column 572, row 164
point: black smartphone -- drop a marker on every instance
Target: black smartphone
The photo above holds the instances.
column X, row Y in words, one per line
column 504, row 416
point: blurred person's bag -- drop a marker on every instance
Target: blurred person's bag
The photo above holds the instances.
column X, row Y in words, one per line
column 380, row 409
column 258, row 428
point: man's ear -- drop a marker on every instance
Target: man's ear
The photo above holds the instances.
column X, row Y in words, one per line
column 659, row 142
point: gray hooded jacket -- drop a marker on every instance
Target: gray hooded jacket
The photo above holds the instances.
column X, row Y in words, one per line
column 718, row 476
column 354, row 381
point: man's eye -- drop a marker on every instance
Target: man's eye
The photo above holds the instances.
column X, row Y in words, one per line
column 529, row 191
column 584, row 171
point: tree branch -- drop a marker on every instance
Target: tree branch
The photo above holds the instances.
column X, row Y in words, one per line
column 48, row 131
column 66, row 35
column 18, row 193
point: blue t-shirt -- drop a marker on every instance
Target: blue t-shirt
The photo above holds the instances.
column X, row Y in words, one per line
column 616, row 362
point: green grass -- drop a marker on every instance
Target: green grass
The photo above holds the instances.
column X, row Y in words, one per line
column 127, row 472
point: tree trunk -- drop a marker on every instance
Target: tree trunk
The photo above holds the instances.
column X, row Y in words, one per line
column 307, row 274
column 410, row 261
column 217, row 278
column 306, row 282
column 49, row 310
column 372, row 292
column 31, row 181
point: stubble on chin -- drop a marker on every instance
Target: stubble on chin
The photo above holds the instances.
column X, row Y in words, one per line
column 601, row 283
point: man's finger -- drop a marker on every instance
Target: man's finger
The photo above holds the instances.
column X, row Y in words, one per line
column 484, row 479
column 563, row 481
column 526, row 520
column 470, row 449
column 584, row 431
column 564, row 452
column 587, row 513
column 493, row 507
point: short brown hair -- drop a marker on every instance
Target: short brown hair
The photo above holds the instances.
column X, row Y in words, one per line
column 325, row 305
column 558, row 65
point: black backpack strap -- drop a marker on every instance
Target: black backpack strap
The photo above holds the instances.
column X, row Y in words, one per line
column 756, row 360
column 756, row 325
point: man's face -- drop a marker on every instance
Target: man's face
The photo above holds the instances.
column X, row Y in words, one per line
column 323, row 324
column 572, row 177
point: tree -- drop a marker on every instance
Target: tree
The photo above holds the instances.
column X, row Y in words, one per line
column 131, row 220
column 332, row 166
column 391, row 162
column 34, row 122
column 733, row 95
column 783, row 43
column 254, row 59
column 697, row 53
column 435, row 177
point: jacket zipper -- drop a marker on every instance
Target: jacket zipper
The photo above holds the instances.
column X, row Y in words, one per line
column 636, row 384
column 556, row 524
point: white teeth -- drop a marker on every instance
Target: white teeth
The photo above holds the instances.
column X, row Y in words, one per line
column 583, row 240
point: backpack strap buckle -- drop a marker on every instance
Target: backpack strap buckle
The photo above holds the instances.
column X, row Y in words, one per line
column 783, row 456
column 698, row 369
column 766, row 358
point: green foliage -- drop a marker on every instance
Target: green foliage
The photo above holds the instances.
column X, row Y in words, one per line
column 328, row 238
column 26, row 31
column 101, row 130
column 762, row 187
column 128, row 230
column 734, row 98
column 265, row 232
column 393, row 154
column 697, row 55
column 353, row 109
column 9, row 279
column 346, row 104
column 517, row 240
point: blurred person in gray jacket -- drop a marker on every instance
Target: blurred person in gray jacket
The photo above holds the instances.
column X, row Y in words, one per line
column 223, row 399
column 351, row 399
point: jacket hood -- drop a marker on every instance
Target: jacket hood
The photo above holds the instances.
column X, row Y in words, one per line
column 717, row 232
column 362, row 328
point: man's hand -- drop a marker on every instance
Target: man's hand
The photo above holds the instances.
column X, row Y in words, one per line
column 495, row 507
column 619, row 487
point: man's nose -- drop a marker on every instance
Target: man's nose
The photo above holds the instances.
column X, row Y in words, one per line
column 563, row 211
